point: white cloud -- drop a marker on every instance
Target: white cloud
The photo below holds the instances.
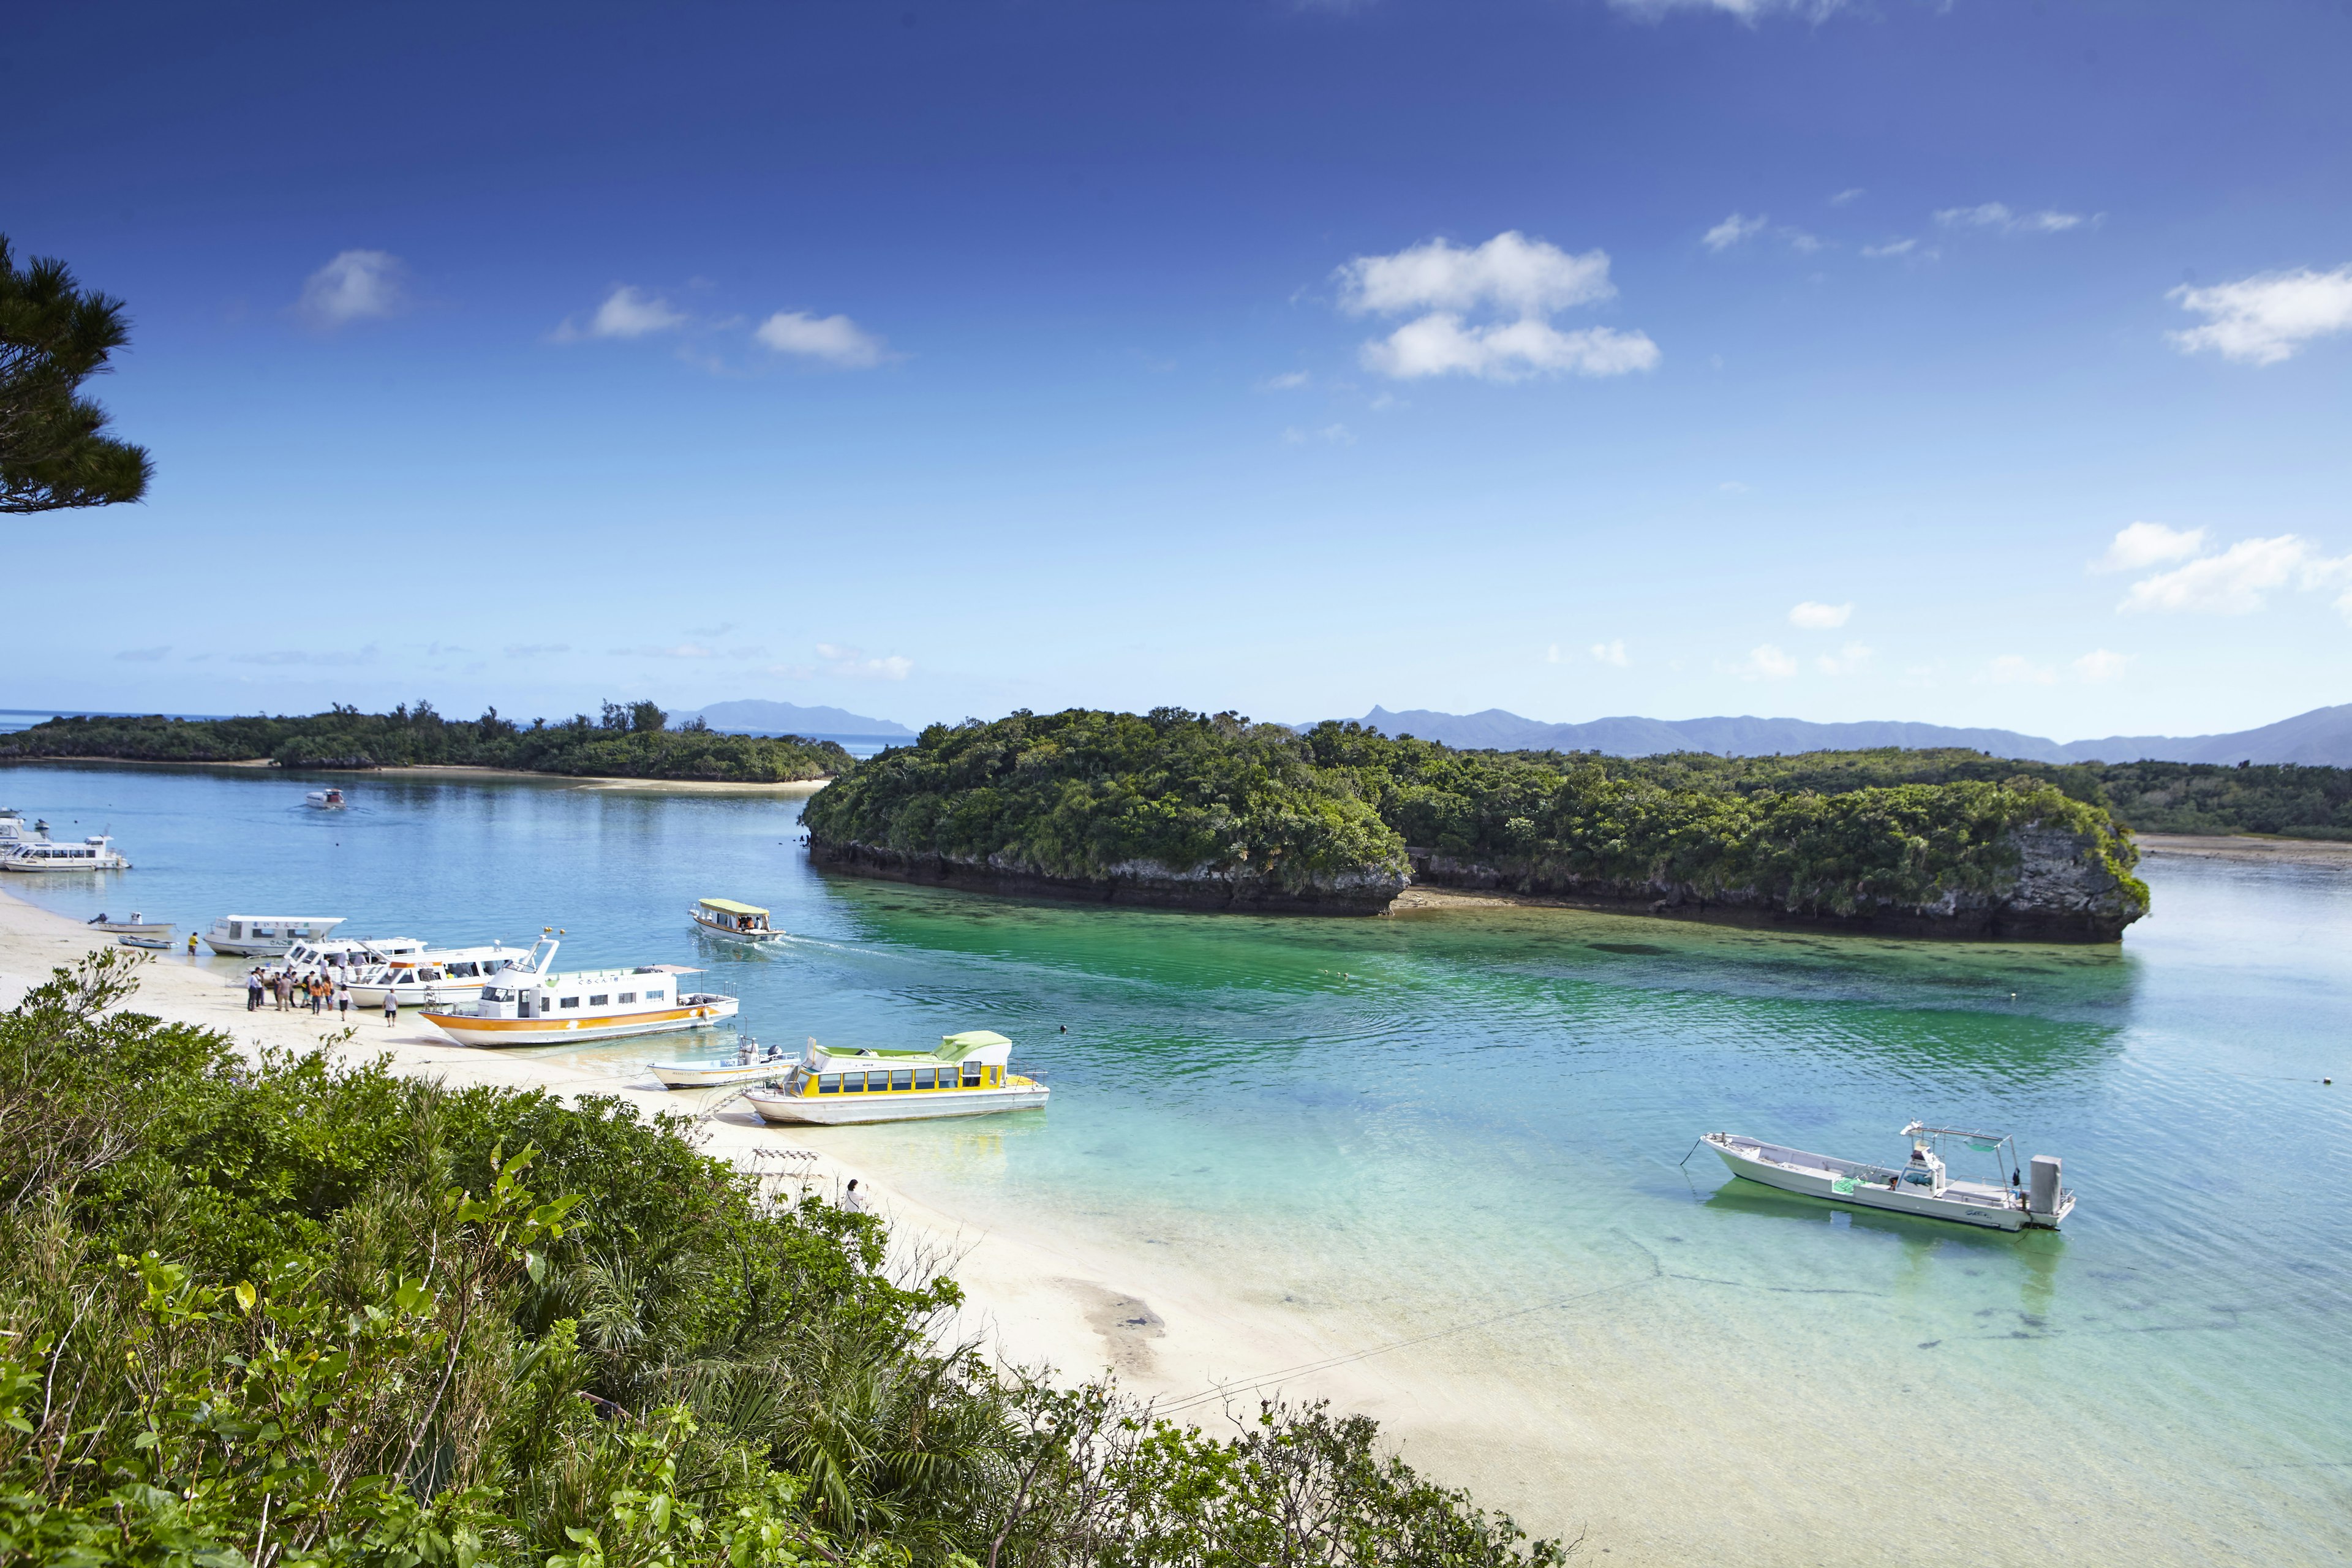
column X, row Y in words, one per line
column 626, row 312
column 1612, row 652
column 2266, row 318
column 1288, row 381
column 1745, row 10
column 144, row 655
column 1850, row 659
column 1335, row 435
column 1817, row 617
column 2233, row 583
column 2101, row 665
column 354, row 286
column 291, row 656
column 1551, row 655
column 2015, row 670
column 1510, row 272
column 1850, row 194
column 683, row 650
column 1765, row 661
column 1732, row 230
column 853, row 663
column 836, row 339
column 1894, row 247
column 1439, row 344
column 1996, row 216
column 535, row 650
column 2144, row 544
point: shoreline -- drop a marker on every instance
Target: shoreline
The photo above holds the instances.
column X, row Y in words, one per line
column 788, row 788
column 2248, row 848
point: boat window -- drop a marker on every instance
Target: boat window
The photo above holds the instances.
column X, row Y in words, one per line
column 496, row 993
column 903, row 1079
column 569, row 1002
column 922, row 1078
column 853, row 1083
column 828, row 1083
column 972, row 1071
column 656, row 996
column 603, row 1001
column 628, row 996
column 463, row 971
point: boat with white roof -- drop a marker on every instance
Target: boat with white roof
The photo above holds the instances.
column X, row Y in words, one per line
column 1922, row 1186
column 324, row 800
column 266, row 936
column 352, row 954
column 969, row 1075
column 433, row 975
column 528, row 1003
column 736, row 922
column 39, row 853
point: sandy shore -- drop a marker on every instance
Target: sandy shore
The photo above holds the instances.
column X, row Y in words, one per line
column 2256, row 851
column 793, row 789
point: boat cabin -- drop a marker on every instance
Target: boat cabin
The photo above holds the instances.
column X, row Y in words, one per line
column 977, row 1058
column 725, row 917
column 350, row 952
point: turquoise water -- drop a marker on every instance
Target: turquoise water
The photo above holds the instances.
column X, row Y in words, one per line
column 1458, row 1135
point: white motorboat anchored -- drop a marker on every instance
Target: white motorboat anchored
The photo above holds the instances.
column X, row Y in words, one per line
column 1922, row 1186
column 94, row 853
column 266, row 936
column 966, row 1076
column 527, row 1004
column 750, row 1064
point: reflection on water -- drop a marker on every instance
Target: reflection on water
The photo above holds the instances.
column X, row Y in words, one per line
column 1436, row 1125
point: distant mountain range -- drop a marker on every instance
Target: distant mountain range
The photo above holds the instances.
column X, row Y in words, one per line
column 2322, row 736
column 751, row 716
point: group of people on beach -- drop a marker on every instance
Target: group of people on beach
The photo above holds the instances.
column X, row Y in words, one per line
column 325, row 991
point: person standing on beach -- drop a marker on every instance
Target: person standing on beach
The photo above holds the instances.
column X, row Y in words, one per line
column 284, row 989
column 343, row 1000
column 318, row 994
column 391, row 1007
column 252, row 989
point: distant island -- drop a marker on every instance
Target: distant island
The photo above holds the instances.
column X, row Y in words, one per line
column 754, row 716
column 2322, row 737
column 632, row 742
column 1181, row 808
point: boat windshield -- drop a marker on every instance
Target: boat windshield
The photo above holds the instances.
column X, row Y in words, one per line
column 498, row 993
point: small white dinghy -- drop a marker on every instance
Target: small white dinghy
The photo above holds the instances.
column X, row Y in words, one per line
column 1922, row 1187
column 750, row 1064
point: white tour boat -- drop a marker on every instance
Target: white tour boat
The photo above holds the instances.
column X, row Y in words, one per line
column 1920, row 1187
column 266, row 936
column 529, row 1005
column 14, row 829
column 433, row 976
column 750, row 1064
column 352, row 954
column 96, row 853
column 737, row 923
column 967, row 1076
column 324, row 800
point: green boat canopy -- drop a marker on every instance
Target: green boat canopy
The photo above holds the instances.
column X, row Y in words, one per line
column 952, row 1048
column 730, row 906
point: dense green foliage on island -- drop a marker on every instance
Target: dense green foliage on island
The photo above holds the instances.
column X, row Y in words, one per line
column 287, row 1313
column 1078, row 793
column 625, row 742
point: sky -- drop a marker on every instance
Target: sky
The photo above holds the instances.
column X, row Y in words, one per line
column 1981, row 362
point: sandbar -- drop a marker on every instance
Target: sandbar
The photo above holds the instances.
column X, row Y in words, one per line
column 2248, row 849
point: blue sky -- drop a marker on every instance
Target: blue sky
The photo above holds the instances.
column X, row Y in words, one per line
column 1981, row 364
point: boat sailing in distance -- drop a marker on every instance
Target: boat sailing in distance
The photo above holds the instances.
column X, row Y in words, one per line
column 967, row 1076
column 266, row 936
column 324, row 800
column 527, row 1004
column 1922, row 1187
column 736, row 922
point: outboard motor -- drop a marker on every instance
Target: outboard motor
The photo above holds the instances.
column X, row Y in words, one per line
column 2043, row 1198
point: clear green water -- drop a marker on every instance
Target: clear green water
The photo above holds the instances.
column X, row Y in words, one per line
column 1458, row 1135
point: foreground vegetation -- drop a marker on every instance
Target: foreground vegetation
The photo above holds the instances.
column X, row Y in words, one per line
column 274, row 1314
column 1082, row 795
column 625, row 742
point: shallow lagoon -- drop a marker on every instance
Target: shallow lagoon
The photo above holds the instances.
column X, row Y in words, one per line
column 1456, row 1135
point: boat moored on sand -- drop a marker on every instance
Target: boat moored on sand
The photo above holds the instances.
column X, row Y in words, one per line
column 527, row 1004
column 750, row 1064
column 1922, row 1186
column 433, row 975
column 967, row 1075
column 266, row 936
column 138, row 925
column 736, row 922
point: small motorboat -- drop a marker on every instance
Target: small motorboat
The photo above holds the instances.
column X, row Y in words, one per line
column 137, row 925
column 967, row 1076
column 151, row 944
column 750, row 1064
column 1922, row 1186
column 324, row 800
column 737, row 922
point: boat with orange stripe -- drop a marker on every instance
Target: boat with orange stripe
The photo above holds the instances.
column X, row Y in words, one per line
column 528, row 1003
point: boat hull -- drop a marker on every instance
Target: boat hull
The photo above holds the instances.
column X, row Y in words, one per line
column 1904, row 1199
column 469, row 1031
column 695, row 1075
column 707, row 929
column 151, row 944
column 856, row 1109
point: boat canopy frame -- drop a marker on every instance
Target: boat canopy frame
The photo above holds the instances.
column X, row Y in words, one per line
column 730, row 906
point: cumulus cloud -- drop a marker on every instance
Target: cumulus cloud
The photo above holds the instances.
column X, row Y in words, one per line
column 1441, row 344
column 1732, row 230
column 1765, row 661
column 2234, row 582
column 1818, row 618
column 1612, row 652
column 1997, row 216
column 1850, row 659
column 853, row 663
column 1521, row 279
column 144, row 655
column 835, row 339
column 2016, row 670
column 2266, row 318
column 2101, row 665
column 626, row 312
column 353, row 287
column 2144, row 544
